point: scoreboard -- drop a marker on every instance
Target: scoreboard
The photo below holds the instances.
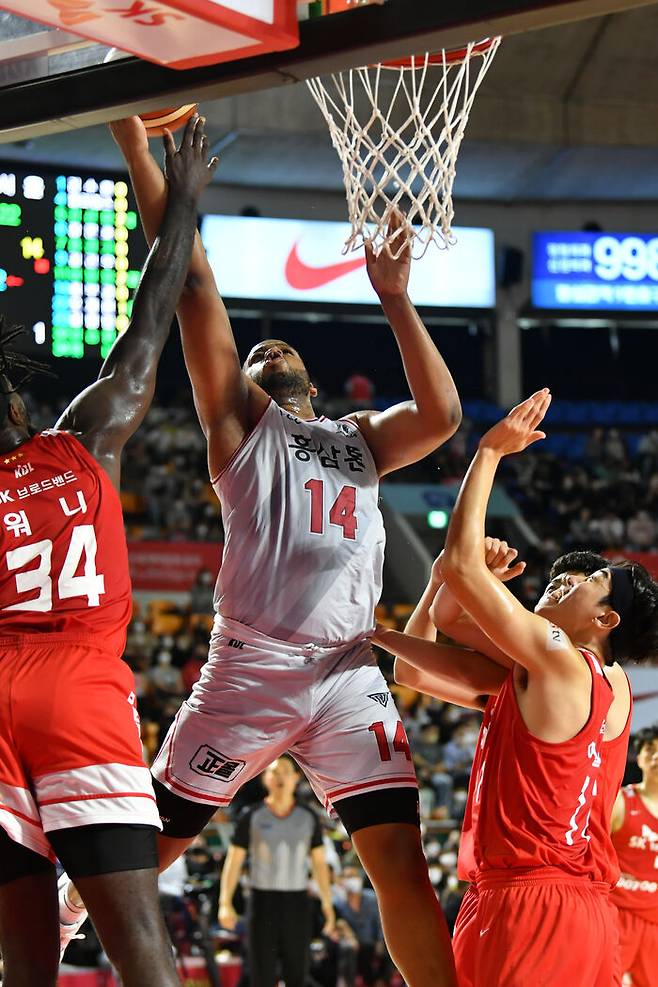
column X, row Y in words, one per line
column 614, row 272
column 71, row 251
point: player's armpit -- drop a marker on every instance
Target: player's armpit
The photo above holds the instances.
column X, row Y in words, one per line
column 465, row 673
column 400, row 435
column 226, row 433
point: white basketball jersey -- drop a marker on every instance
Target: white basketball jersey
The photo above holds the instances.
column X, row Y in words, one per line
column 304, row 537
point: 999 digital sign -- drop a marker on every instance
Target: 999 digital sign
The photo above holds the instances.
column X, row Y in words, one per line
column 610, row 271
column 71, row 253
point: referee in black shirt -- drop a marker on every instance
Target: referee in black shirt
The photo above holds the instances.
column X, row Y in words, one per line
column 279, row 836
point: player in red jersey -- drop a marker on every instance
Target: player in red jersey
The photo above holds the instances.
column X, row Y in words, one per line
column 532, row 815
column 464, row 679
column 635, row 838
column 72, row 779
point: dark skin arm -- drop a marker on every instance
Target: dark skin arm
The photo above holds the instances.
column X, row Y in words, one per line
column 105, row 415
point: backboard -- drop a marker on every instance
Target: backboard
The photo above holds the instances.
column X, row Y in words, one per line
column 53, row 81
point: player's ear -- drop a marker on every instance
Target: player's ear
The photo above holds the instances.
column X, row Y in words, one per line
column 15, row 411
column 312, row 391
column 608, row 621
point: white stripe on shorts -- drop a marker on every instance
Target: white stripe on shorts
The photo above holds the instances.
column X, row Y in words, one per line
column 20, row 819
column 97, row 793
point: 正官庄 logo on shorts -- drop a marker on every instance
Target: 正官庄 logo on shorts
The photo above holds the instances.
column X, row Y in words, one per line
column 213, row 764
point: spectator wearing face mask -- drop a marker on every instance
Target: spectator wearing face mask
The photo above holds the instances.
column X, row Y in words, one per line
column 357, row 906
column 164, row 678
column 458, row 753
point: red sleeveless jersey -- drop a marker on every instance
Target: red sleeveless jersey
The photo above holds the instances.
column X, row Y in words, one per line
column 64, row 565
column 636, row 844
column 529, row 801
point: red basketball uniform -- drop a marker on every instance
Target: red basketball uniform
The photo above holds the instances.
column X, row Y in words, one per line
column 636, row 894
column 542, row 915
column 70, row 752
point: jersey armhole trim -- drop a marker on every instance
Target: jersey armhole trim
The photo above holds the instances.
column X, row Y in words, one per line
column 623, row 736
column 96, row 468
column 346, row 418
column 239, row 449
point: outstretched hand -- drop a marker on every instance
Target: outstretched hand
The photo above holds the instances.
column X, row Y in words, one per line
column 389, row 275
column 518, row 429
column 187, row 169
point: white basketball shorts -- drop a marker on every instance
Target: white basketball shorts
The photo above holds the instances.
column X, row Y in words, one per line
column 259, row 697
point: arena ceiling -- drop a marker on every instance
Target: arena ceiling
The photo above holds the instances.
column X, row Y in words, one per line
column 567, row 112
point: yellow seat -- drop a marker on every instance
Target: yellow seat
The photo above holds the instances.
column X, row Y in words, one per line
column 167, row 623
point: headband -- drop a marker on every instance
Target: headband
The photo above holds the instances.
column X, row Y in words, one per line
column 621, row 601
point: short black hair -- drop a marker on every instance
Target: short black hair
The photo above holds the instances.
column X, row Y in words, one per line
column 585, row 562
column 636, row 637
column 645, row 737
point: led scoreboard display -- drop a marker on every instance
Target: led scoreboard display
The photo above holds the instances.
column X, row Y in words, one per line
column 71, row 253
column 610, row 271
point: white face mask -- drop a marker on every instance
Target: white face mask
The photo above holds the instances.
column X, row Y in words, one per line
column 353, row 885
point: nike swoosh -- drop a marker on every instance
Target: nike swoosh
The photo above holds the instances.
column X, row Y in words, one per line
column 483, row 931
column 303, row 278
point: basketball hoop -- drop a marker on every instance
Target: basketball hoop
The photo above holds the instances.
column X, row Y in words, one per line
column 397, row 128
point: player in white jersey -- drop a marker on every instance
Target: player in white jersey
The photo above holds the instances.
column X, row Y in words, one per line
column 290, row 665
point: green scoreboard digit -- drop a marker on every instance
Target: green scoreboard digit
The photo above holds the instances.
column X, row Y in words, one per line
column 71, row 253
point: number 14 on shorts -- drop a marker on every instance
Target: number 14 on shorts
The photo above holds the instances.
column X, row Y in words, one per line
column 400, row 742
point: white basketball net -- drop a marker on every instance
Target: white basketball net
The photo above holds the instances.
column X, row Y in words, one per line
column 401, row 152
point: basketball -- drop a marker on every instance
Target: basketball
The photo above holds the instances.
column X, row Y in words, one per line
column 173, row 119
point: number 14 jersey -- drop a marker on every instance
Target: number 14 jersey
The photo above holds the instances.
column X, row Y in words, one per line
column 304, row 537
column 64, row 567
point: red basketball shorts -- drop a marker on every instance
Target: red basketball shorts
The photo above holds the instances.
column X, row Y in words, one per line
column 536, row 931
column 638, row 948
column 70, row 751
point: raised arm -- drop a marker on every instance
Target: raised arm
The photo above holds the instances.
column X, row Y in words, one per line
column 522, row 635
column 109, row 411
column 452, row 620
column 227, row 402
column 407, row 432
column 455, row 675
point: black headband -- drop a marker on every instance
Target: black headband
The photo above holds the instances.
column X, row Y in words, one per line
column 621, row 601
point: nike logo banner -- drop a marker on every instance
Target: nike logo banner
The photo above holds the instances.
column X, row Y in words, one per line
column 302, row 277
